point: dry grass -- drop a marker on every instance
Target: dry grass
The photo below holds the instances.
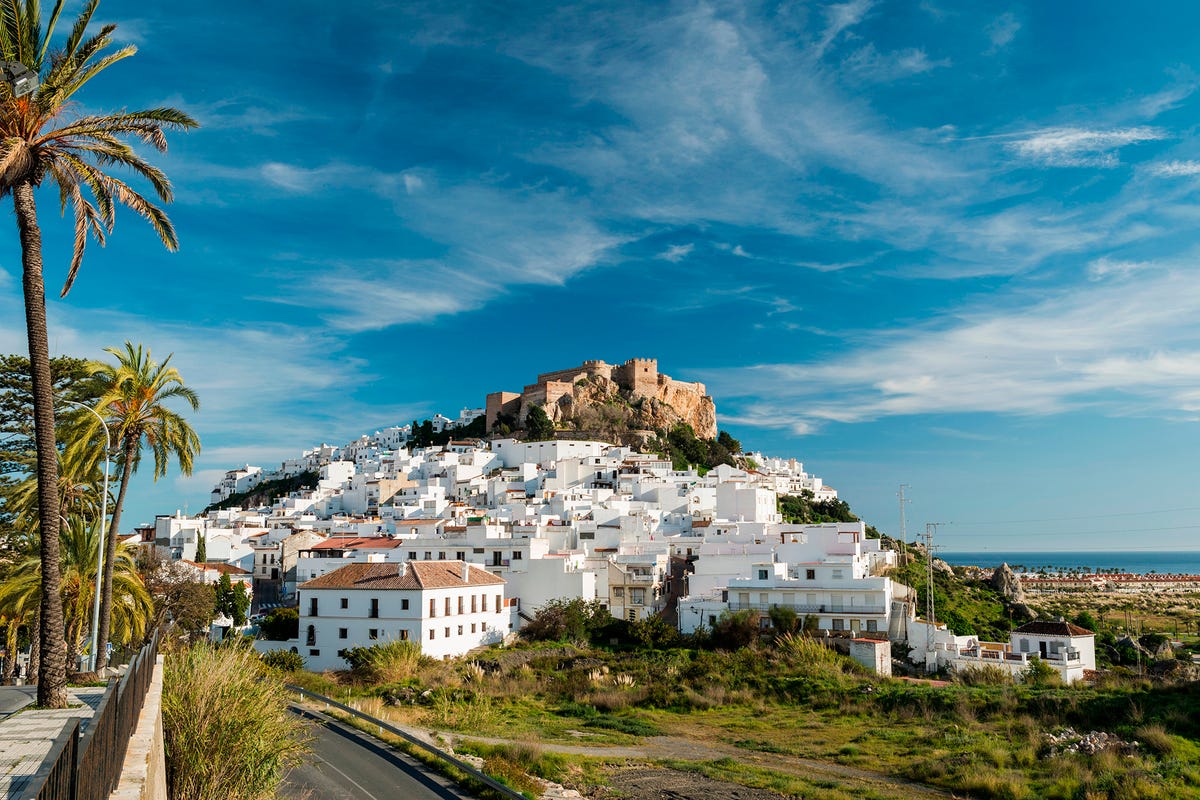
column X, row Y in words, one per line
column 228, row 732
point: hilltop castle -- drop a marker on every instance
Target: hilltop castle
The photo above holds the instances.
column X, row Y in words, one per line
column 637, row 381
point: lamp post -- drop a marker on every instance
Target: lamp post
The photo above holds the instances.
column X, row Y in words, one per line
column 19, row 77
column 103, row 523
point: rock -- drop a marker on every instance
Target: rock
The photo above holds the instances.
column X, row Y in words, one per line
column 1005, row 581
column 942, row 566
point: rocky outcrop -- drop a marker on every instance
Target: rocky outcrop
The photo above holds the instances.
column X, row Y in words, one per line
column 1006, row 582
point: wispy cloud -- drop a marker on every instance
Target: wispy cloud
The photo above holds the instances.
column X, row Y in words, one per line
column 1106, row 267
column 676, row 252
column 1081, row 147
column 1175, row 169
column 1001, row 31
column 867, row 62
column 1121, row 347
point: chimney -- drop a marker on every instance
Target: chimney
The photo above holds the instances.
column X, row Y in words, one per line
column 466, row 572
column 401, row 569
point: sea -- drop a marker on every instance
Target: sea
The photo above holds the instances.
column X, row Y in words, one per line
column 1138, row 562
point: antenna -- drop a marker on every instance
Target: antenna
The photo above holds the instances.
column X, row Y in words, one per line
column 903, row 524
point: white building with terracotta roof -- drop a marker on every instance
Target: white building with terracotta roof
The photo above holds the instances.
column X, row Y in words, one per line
column 448, row 607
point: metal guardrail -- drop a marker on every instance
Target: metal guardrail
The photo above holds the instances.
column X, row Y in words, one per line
column 487, row 780
column 88, row 767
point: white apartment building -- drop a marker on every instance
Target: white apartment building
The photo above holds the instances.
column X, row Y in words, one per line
column 448, row 607
column 1069, row 649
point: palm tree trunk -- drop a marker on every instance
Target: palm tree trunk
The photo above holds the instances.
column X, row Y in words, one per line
column 52, row 672
column 110, row 553
column 11, row 649
column 35, row 647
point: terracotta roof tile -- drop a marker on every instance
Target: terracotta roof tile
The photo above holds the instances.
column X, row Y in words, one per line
column 1053, row 628
column 418, row 575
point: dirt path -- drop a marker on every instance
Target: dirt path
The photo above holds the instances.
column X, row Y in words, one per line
column 657, row 748
column 660, row 783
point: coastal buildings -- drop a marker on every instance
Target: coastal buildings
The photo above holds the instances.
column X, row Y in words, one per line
column 383, row 526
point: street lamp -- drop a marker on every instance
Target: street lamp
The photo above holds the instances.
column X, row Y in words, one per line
column 22, row 80
column 103, row 522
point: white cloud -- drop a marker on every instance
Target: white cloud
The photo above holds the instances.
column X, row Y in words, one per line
column 676, row 253
column 1002, row 30
column 1123, row 347
column 868, row 63
column 1106, row 267
column 1175, row 169
column 1081, row 147
column 840, row 17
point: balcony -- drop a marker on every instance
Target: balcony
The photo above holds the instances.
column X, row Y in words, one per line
column 806, row 609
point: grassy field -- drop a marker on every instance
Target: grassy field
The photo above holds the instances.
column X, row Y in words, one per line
column 749, row 715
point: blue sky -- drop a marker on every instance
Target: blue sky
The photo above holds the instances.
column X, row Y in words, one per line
column 904, row 242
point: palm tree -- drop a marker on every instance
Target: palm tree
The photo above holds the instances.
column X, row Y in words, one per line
column 80, row 543
column 133, row 397
column 39, row 140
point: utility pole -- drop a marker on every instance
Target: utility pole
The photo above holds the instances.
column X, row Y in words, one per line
column 930, row 614
column 903, row 525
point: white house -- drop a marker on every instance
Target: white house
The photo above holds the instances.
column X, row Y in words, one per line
column 449, row 607
column 1069, row 649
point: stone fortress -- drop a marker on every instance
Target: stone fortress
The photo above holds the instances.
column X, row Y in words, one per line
column 637, row 380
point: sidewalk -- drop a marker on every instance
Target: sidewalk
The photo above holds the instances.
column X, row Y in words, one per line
column 26, row 737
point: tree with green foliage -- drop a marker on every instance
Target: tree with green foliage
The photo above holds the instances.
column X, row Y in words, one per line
column 49, row 136
column 538, row 426
column 280, row 625
column 134, row 396
column 231, row 601
column 201, row 549
column 574, row 620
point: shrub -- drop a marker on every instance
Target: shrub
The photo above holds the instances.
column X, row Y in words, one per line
column 280, row 625
column 1039, row 673
column 386, row 662
column 283, row 660
column 225, row 698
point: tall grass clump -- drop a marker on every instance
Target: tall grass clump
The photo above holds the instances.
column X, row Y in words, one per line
column 392, row 661
column 228, row 732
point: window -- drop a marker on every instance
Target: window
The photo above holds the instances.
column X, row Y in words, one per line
column 872, row 625
column 472, row 627
column 460, row 555
column 839, row 624
column 810, row 574
column 483, row 599
column 447, row 631
column 460, row 629
column 404, row 634
column 712, row 619
column 312, row 607
column 428, row 553
column 431, row 633
column 374, row 613
column 474, row 604
column 447, row 606
column 412, row 555
column 637, row 596
column 343, row 633
column 460, row 604
column 373, row 633
column 499, row 604
column 618, row 591
column 762, row 574
column 516, row 555
column 345, row 602
column 314, row 652
column 404, row 604
column 312, row 635
column 442, row 556
column 837, row 574
column 432, row 607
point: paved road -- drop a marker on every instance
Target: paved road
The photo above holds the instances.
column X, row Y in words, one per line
column 347, row 764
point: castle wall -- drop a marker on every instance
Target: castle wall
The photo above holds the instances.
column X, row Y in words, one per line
column 501, row 403
column 638, row 375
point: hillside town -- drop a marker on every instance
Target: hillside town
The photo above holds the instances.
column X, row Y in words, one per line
column 457, row 546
